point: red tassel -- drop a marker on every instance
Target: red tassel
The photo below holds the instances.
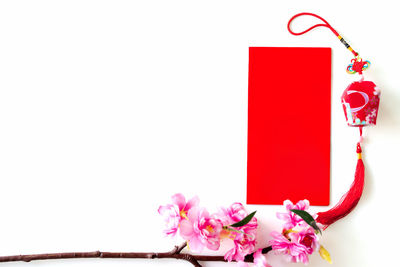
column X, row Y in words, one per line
column 349, row 200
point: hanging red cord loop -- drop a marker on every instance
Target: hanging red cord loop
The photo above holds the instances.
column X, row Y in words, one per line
column 315, row 26
column 325, row 24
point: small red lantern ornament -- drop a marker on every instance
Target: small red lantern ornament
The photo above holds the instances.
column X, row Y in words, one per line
column 360, row 104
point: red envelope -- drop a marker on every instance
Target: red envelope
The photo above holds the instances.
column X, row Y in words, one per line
column 289, row 118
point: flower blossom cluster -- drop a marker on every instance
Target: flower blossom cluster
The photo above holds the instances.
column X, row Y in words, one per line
column 297, row 240
column 202, row 229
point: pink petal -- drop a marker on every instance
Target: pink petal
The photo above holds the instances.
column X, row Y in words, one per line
column 193, row 202
column 186, row 229
column 259, row 259
column 229, row 254
column 195, row 244
column 302, row 205
column 179, row 200
column 242, row 264
column 213, row 245
column 193, row 214
column 288, row 204
column 163, row 209
column 171, row 231
column 303, row 258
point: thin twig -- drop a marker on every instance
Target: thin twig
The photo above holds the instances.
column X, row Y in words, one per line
column 175, row 253
column 181, row 247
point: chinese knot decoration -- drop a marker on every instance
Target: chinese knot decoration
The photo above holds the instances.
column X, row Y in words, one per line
column 360, row 103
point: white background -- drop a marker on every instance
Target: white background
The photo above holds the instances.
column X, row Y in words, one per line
column 107, row 108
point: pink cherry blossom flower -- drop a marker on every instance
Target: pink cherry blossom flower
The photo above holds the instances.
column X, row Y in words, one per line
column 295, row 251
column 175, row 212
column 244, row 237
column 259, row 260
column 235, row 213
column 241, row 248
column 184, row 207
column 291, row 219
column 306, row 237
column 201, row 230
column 298, row 240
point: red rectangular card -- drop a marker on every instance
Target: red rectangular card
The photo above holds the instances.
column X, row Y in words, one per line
column 289, row 118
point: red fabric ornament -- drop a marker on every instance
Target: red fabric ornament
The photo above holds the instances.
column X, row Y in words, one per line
column 360, row 103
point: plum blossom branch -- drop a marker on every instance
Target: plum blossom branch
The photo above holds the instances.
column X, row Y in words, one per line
column 201, row 229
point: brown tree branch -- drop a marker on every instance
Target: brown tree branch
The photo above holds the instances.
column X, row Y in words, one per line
column 175, row 253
